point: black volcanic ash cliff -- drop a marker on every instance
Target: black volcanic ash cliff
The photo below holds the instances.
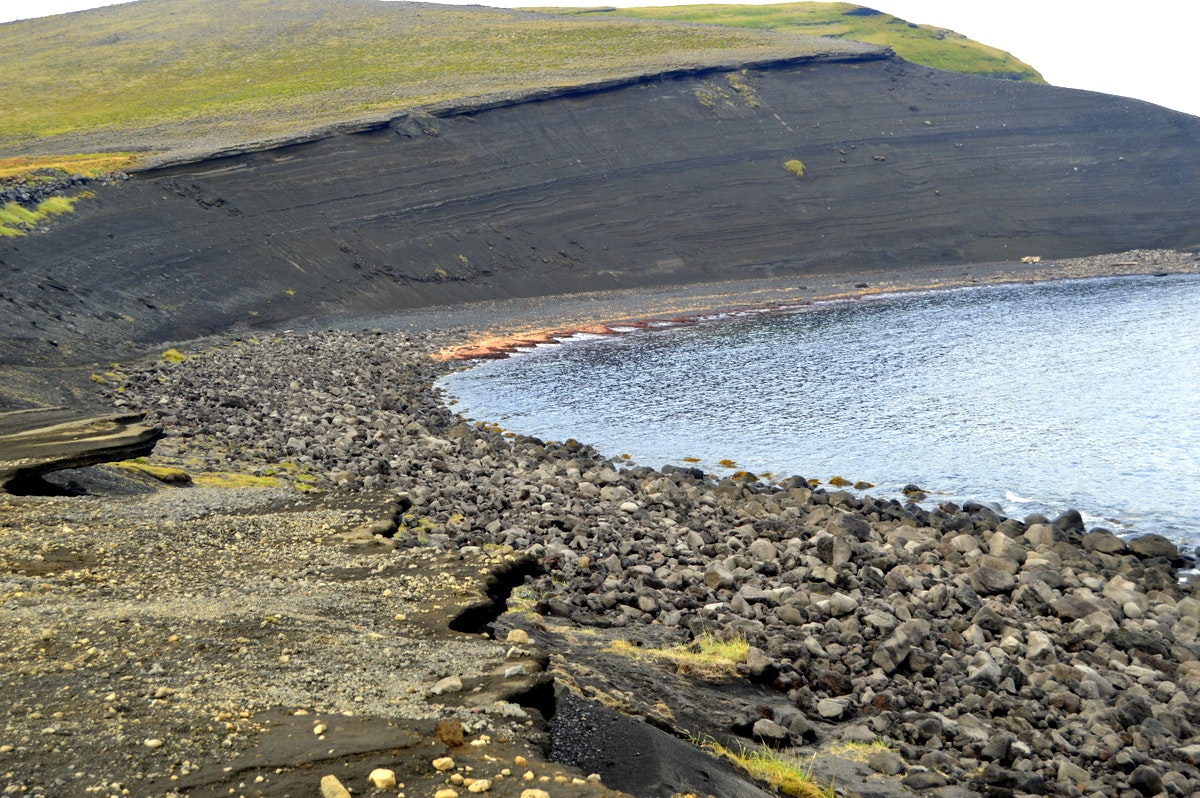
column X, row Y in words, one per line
column 668, row 180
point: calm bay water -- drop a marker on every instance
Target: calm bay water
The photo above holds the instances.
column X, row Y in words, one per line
column 1037, row 398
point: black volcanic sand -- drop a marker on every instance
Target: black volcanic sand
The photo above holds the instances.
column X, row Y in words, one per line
column 194, row 640
column 668, row 181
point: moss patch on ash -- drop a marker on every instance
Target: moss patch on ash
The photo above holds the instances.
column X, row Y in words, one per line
column 17, row 219
column 163, row 473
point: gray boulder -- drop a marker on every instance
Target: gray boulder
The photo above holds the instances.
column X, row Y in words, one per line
column 1147, row 546
column 990, row 581
column 770, row 733
column 1104, row 542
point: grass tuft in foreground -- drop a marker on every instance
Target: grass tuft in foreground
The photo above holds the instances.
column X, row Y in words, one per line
column 707, row 656
column 785, row 774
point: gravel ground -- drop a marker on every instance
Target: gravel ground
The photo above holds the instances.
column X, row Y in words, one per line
column 146, row 636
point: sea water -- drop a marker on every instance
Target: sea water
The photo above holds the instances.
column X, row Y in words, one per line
column 1078, row 394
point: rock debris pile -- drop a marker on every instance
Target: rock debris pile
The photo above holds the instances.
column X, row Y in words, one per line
column 997, row 656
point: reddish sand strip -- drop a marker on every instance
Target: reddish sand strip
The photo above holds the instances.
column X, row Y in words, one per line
column 504, row 344
column 498, row 346
column 501, row 345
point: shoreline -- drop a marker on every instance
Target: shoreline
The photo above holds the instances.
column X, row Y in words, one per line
column 711, row 310
column 558, row 317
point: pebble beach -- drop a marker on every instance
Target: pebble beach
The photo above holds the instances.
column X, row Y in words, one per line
column 333, row 548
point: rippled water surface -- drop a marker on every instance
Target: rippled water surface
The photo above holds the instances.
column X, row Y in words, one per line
column 1080, row 394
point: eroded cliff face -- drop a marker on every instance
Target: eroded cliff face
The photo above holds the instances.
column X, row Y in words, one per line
column 669, row 180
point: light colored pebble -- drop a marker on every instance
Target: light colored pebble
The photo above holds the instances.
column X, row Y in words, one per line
column 332, row 788
column 382, row 778
column 451, row 684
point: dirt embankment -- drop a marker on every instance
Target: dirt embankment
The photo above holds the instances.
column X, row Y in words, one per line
column 669, row 181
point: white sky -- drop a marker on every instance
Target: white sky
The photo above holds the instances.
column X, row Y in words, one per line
column 1074, row 43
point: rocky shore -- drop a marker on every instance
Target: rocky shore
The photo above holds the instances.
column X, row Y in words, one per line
column 166, row 642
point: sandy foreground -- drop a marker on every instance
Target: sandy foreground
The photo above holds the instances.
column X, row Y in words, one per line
column 163, row 640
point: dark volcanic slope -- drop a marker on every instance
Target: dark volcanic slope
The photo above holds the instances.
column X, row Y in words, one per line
column 669, row 180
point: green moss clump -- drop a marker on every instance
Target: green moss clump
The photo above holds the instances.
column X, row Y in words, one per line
column 739, row 83
column 795, row 167
column 16, row 219
column 706, row 98
column 168, row 474
column 12, row 213
column 53, row 206
column 228, row 479
column 174, row 356
column 306, row 482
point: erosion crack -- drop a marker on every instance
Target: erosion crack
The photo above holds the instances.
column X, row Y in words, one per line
column 477, row 618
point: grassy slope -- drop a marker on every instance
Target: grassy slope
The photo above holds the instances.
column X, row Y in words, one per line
column 921, row 44
column 177, row 74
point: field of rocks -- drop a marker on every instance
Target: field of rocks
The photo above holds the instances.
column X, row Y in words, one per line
column 965, row 652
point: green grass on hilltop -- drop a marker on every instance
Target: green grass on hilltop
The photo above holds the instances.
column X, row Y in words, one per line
column 182, row 74
column 921, row 44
